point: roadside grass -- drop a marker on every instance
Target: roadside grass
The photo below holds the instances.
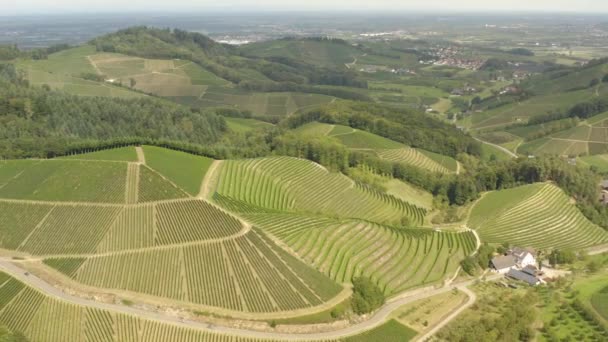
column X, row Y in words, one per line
column 426, row 313
column 391, row 331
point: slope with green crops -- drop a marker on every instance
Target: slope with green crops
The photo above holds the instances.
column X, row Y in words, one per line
column 538, row 215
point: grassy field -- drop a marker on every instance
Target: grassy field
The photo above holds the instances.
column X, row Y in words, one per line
column 391, row 331
column 240, row 125
column 425, row 313
column 538, row 215
column 600, row 162
column 185, row 170
column 410, row 193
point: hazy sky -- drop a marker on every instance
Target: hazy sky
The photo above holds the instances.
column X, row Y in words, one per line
column 59, row 6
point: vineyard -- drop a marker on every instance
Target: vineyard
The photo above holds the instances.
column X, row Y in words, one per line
column 46, row 319
column 413, row 157
column 397, row 259
column 247, row 274
column 589, row 138
column 296, row 185
column 538, row 215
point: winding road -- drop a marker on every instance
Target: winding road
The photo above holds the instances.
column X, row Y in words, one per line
column 375, row 320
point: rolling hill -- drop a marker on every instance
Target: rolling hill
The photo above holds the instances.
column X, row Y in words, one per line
column 538, row 215
column 164, row 226
column 383, row 148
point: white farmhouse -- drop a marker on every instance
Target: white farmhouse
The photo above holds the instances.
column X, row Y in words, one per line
column 523, row 256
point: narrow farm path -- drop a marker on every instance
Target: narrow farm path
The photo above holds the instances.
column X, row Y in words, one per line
column 472, row 298
column 374, row 320
column 505, row 150
column 141, row 157
column 209, row 176
column 94, row 65
column 597, row 249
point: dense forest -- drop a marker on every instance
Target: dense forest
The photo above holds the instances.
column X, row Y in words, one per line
column 33, row 120
column 410, row 127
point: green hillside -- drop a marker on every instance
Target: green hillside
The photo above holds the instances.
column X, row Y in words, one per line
column 295, row 185
column 383, row 148
column 184, row 169
column 538, row 215
column 321, row 52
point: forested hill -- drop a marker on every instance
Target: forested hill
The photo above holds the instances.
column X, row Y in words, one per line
column 410, row 127
column 252, row 73
column 36, row 121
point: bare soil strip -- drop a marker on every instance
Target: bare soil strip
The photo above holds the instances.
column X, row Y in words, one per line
column 141, row 157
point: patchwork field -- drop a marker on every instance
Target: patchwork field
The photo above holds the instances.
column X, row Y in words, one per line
column 538, row 215
column 538, row 105
column 589, row 138
column 382, row 147
column 159, row 242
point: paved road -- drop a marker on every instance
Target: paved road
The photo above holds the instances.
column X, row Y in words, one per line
column 377, row 319
column 472, row 298
column 498, row 147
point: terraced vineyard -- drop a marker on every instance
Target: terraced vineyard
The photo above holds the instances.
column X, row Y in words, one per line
column 397, row 259
column 538, row 215
column 290, row 184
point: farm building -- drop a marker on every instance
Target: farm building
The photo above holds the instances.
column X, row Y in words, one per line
column 523, row 276
column 502, row 264
column 523, row 256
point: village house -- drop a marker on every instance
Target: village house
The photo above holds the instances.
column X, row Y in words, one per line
column 514, row 258
column 523, row 256
column 519, row 264
column 503, row 264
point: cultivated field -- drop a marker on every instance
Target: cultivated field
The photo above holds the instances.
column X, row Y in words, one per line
column 397, row 259
column 47, row 319
column 296, row 185
column 589, row 138
column 538, row 215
